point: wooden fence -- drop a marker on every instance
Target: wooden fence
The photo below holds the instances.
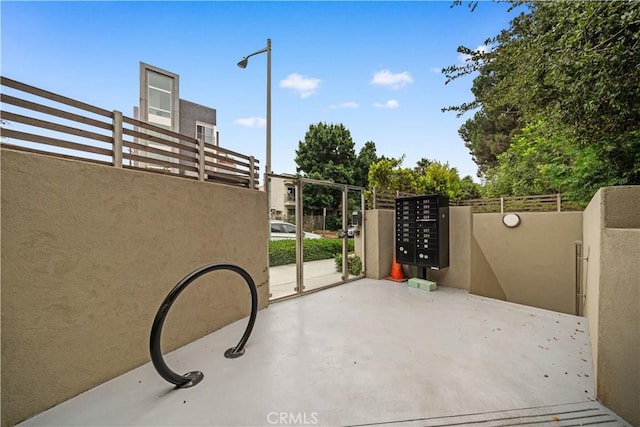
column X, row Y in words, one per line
column 385, row 199
column 51, row 124
column 537, row 203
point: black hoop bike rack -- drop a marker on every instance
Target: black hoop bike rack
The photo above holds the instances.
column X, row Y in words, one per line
column 194, row 377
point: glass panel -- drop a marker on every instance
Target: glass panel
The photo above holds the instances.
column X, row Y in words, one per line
column 160, row 113
column 354, row 233
column 159, row 120
column 159, row 99
column 159, row 81
column 321, row 244
column 282, row 261
column 208, row 135
column 205, row 133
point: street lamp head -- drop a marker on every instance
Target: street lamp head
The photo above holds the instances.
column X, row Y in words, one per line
column 243, row 63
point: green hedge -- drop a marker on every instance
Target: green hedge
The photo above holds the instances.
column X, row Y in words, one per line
column 282, row 252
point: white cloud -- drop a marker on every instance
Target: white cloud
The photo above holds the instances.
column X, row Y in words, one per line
column 251, row 122
column 436, row 70
column 392, row 103
column 463, row 57
column 389, row 79
column 305, row 86
column 349, row 104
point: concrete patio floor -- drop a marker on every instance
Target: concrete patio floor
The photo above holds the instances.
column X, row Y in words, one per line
column 317, row 274
column 367, row 353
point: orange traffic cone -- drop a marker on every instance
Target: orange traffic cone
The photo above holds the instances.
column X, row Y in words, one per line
column 396, row 271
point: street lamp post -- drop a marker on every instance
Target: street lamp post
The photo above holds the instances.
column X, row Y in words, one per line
column 267, row 166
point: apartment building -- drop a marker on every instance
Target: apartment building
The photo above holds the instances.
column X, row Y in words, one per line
column 160, row 104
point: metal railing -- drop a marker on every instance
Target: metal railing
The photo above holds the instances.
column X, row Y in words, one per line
column 155, row 348
column 47, row 123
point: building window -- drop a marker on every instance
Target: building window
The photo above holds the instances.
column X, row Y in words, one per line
column 291, row 194
column 159, row 95
column 206, row 133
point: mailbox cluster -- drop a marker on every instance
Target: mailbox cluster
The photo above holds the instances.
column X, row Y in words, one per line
column 422, row 231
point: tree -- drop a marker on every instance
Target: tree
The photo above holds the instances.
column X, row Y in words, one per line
column 469, row 189
column 545, row 159
column 487, row 135
column 567, row 67
column 366, row 157
column 429, row 176
column 388, row 174
column 327, row 154
column 327, row 150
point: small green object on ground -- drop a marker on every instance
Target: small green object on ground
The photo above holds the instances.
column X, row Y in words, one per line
column 426, row 285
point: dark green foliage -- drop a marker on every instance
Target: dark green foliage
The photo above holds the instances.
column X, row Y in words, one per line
column 469, row 189
column 328, row 154
column 487, row 135
column 545, row 160
column 428, row 177
column 559, row 99
column 334, row 222
column 366, row 157
column 354, row 264
column 283, row 252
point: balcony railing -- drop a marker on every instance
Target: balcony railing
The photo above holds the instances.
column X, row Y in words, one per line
column 47, row 123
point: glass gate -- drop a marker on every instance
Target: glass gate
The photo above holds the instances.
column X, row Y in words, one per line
column 317, row 238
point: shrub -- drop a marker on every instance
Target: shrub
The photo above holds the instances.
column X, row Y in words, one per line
column 282, row 252
column 354, row 264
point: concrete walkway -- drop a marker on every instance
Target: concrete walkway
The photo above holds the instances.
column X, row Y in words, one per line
column 367, row 353
column 282, row 279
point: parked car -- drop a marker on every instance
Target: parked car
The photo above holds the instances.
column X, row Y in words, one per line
column 281, row 230
column 350, row 231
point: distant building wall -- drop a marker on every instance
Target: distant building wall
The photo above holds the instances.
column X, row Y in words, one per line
column 611, row 282
column 88, row 254
column 278, row 190
column 190, row 113
column 170, row 108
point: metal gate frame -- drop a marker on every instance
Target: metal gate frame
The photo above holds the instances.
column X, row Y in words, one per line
column 299, row 209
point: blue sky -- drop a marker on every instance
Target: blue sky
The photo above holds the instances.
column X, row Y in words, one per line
column 372, row 66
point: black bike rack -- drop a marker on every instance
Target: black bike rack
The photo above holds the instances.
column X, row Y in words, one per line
column 192, row 378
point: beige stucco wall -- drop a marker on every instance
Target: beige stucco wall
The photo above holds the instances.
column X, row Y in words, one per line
column 591, row 236
column 483, row 279
column 618, row 381
column 458, row 274
column 534, row 263
column 379, row 242
column 89, row 253
column 612, row 281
